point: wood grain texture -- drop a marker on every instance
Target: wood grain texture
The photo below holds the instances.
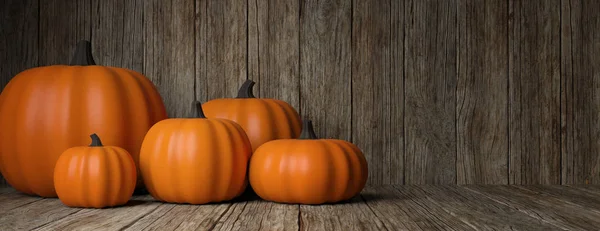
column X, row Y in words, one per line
column 169, row 52
column 350, row 215
column 104, row 219
column 18, row 41
column 181, row 217
column 574, row 195
column 45, row 210
column 579, row 91
column 534, row 92
column 409, row 210
column 221, row 48
column 62, row 23
column 14, row 200
column 259, row 215
column 274, row 49
column 430, row 92
column 482, row 92
column 408, row 207
column 552, row 210
column 118, row 33
column 325, row 58
column 475, row 210
column 377, row 102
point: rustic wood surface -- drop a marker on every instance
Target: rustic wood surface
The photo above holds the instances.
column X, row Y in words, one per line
column 118, row 26
column 221, row 46
column 274, row 49
column 325, row 67
column 430, row 92
column 534, row 79
column 169, row 56
column 434, row 92
column 579, row 91
column 377, row 51
column 400, row 207
column 482, row 101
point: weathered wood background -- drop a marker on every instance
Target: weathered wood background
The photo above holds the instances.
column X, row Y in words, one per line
column 434, row 92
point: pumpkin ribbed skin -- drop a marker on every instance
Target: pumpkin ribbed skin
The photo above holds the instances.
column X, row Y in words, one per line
column 46, row 110
column 195, row 161
column 263, row 120
column 95, row 177
column 312, row 171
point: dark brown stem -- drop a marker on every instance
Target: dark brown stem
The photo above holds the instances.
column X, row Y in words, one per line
column 246, row 90
column 83, row 54
column 308, row 133
column 197, row 111
column 96, row 142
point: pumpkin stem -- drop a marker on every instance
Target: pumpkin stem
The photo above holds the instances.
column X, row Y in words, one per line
column 308, row 133
column 96, row 142
column 83, row 54
column 246, row 90
column 197, row 111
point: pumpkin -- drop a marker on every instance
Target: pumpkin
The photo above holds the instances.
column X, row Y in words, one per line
column 262, row 119
column 195, row 160
column 96, row 176
column 46, row 110
column 308, row 170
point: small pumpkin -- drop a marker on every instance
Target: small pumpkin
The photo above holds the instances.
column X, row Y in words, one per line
column 95, row 176
column 308, row 170
column 68, row 103
column 195, row 160
column 262, row 119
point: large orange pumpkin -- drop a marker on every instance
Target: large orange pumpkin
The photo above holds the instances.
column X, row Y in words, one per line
column 95, row 177
column 46, row 110
column 308, row 170
column 262, row 119
column 195, row 160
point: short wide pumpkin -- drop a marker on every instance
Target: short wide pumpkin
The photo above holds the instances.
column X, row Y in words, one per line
column 308, row 170
column 95, row 177
column 46, row 110
column 195, row 160
column 263, row 120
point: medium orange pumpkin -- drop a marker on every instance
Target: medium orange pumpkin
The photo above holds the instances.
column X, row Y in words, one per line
column 308, row 170
column 262, row 119
column 46, row 110
column 96, row 176
column 195, row 160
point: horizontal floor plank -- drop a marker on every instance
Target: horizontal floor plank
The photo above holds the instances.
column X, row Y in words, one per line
column 571, row 194
column 105, row 219
column 408, row 207
column 479, row 212
column 350, row 215
column 562, row 214
column 405, row 210
column 260, row 215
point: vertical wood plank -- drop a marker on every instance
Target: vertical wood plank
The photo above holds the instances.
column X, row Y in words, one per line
column 534, row 91
column 377, row 87
column 430, row 92
column 580, row 91
column 274, row 49
column 18, row 41
column 118, row 33
column 221, row 44
column 482, row 92
column 169, row 52
column 325, row 50
column 62, row 24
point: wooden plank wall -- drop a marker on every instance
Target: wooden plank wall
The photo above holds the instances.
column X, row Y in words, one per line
column 434, row 92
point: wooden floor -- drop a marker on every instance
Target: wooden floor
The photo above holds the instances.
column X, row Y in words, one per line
column 377, row 208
